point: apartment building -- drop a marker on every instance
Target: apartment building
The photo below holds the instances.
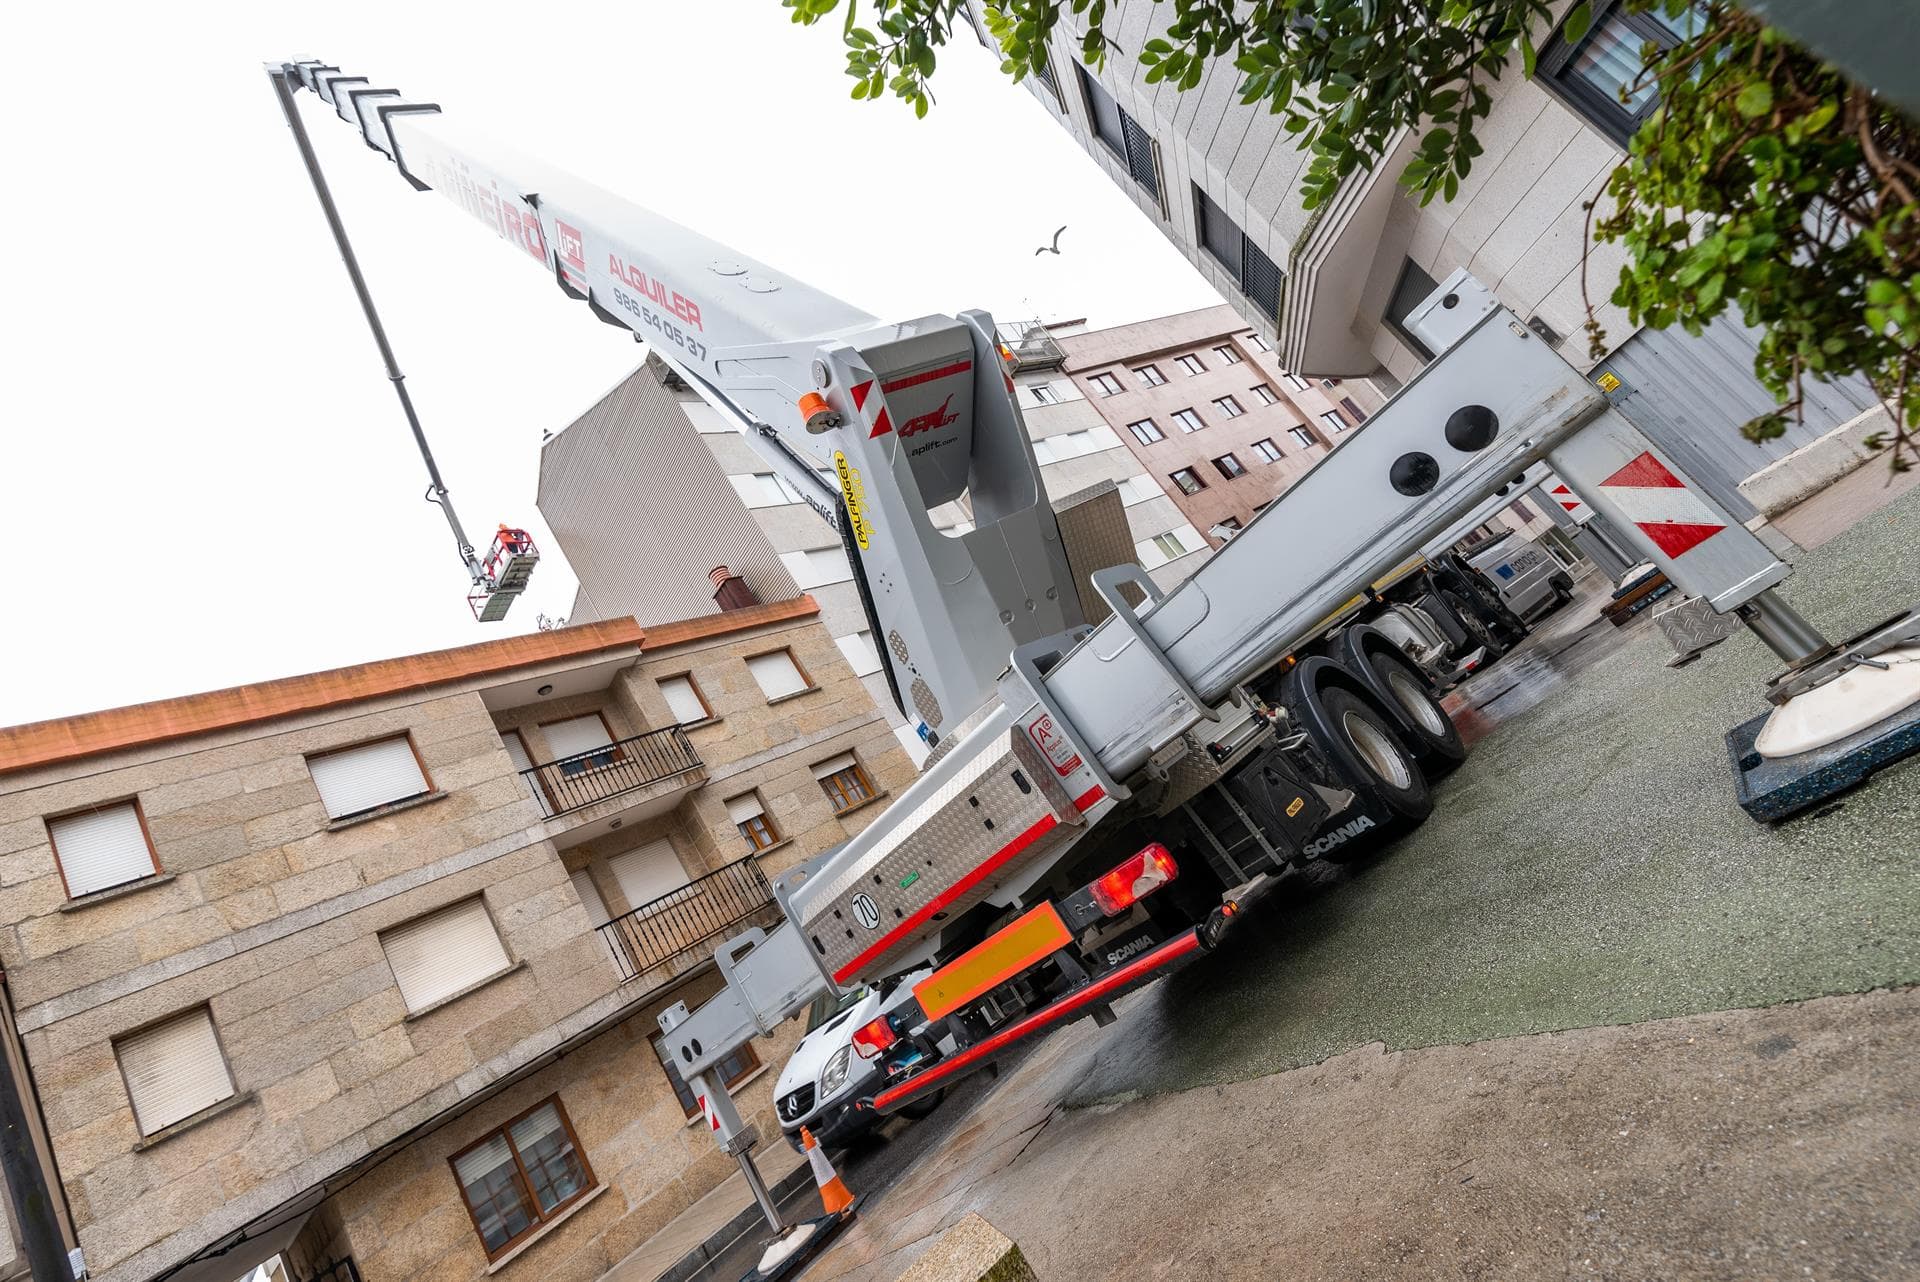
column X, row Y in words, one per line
column 1332, row 288
column 1203, row 404
column 651, row 472
column 364, row 964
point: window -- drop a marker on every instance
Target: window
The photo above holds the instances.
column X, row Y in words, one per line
column 684, row 699
column 443, row 953
column 1120, row 132
column 1228, row 406
column 1264, row 394
column 648, row 874
column 173, row 1069
column 1043, row 394
column 1145, row 432
column 1191, row 364
column 1329, row 382
column 1600, row 76
column 1106, row 384
column 353, row 781
column 1188, row 480
column 817, row 566
column 1294, row 381
column 1301, row 435
column 101, row 848
column 1149, row 375
column 778, row 674
column 1230, row 466
column 1259, row 342
column 1334, row 423
column 764, row 489
column 1171, row 546
column 732, row 1070
column 750, row 817
column 580, row 744
column 1042, row 69
column 1266, row 451
column 1227, row 355
column 1244, row 261
column 844, row 781
column 522, row 1175
column 861, row 654
column 1412, row 289
column 1188, row 420
column 1354, row 412
column 1137, row 489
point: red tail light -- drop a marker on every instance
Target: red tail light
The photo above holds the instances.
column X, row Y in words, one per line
column 1133, row 880
column 870, row 1039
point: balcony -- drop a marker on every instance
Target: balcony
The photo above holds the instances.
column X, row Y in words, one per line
column 648, row 774
column 676, row 932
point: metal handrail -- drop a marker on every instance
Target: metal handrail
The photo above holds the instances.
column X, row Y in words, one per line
column 599, row 773
column 680, row 922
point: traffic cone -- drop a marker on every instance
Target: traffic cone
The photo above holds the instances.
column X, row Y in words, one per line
column 835, row 1197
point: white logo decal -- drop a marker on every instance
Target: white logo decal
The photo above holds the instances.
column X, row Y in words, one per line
column 1339, row 836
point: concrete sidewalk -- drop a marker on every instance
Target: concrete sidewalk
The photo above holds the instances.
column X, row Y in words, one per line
column 706, row 1218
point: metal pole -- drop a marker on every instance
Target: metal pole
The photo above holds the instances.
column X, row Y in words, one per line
column 283, row 89
column 27, row 1183
column 1796, row 641
column 751, row 1174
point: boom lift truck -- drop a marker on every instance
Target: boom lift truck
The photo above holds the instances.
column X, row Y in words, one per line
column 1104, row 800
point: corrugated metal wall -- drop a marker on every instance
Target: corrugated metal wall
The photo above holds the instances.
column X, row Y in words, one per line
column 1690, row 396
column 642, row 511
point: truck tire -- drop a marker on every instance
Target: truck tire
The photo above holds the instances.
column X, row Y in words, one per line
column 1480, row 634
column 1398, row 683
column 1360, row 743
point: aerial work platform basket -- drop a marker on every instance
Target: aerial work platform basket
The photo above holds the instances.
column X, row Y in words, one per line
column 508, row 568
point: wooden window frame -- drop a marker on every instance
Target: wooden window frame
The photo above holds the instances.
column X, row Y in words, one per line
column 139, row 813
column 841, row 800
column 541, row 1219
column 658, row 1040
column 226, row 1062
column 418, row 760
column 693, row 684
column 766, row 821
column 616, row 753
column 794, row 659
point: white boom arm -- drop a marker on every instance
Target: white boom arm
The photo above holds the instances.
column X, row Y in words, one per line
column 873, row 424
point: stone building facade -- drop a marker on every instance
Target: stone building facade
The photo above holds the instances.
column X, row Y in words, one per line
column 365, row 963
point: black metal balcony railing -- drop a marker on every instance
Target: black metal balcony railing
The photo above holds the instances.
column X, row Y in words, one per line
column 680, row 922
column 595, row 775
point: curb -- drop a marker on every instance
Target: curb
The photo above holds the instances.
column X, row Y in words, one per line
column 694, row 1262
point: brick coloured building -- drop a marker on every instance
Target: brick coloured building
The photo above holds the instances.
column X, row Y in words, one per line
column 365, row 963
column 1201, row 401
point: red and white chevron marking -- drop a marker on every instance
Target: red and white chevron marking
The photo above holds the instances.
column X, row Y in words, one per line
column 1657, row 501
column 1566, row 498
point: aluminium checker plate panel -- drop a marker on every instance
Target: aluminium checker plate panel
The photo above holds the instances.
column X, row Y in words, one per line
column 996, row 815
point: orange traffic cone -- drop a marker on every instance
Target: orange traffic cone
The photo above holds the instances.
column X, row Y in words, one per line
column 835, row 1197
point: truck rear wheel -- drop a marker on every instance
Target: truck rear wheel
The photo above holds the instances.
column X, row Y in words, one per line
column 1479, row 633
column 1432, row 734
column 1363, row 748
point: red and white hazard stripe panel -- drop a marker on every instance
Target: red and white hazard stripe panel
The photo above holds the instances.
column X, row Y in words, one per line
column 1575, row 506
column 1657, row 501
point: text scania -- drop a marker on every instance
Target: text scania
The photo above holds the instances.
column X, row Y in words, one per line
column 1339, row 836
column 674, row 301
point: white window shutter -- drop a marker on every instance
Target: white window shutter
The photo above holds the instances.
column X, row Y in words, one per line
column 576, row 735
column 776, row 674
column 1103, row 438
column 358, row 779
column 741, row 809
column 174, row 1070
column 101, row 848
column 589, row 896
column 435, row 956
column 683, row 700
column 647, row 872
column 860, row 652
column 845, row 761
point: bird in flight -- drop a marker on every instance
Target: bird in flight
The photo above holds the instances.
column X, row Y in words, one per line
column 1054, row 248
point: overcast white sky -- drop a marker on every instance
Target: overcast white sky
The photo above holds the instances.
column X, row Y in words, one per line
column 204, row 477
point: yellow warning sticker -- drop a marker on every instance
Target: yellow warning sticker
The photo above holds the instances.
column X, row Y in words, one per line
column 854, row 495
column 1608, row 381
column 1295, row 806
